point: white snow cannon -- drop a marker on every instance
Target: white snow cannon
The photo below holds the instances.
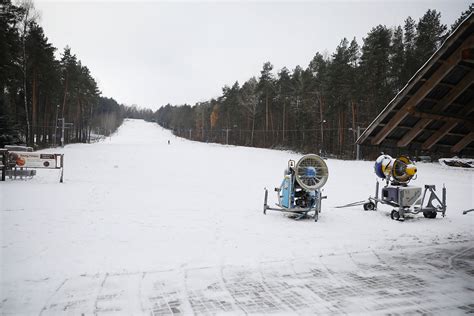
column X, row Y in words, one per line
column 397, row 173
column 300, row 191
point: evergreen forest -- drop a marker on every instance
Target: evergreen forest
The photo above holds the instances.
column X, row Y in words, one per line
column 320, row 108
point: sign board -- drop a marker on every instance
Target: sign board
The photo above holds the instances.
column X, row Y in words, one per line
column 36, row 160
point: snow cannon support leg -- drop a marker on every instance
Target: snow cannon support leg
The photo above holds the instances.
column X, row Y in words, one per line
column 265, row 205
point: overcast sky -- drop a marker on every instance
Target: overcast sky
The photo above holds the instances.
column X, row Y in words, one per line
column 152, row 53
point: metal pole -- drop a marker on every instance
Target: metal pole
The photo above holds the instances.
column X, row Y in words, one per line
column 357, row 145
column 321, row 122
column 62, row 133
column 227, row 136
column 62, row 169
column 189, row 133
column 376, row 194
column 56, row 127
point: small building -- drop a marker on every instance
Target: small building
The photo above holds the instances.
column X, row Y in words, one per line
column 434, row 113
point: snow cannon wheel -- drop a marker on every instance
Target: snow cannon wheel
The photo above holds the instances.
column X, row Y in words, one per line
column 395, row 215
column 430, row 214
column 369, row 206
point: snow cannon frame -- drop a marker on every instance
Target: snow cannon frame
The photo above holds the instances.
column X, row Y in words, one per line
column 300, row 191
column 396, row 193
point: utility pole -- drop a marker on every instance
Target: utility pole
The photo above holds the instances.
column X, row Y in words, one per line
column 56, row 127
column 227, row 136
column 321, row 121
column 62, row 131
column 357, row 145
column 202, row 124
column 322, row 135
column 283, row 129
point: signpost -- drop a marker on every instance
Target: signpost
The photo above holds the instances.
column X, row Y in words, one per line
column 64, row 126
column 3, row 164
column 21, row 159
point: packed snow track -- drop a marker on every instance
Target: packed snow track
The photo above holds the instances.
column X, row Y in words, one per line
column 140, row 227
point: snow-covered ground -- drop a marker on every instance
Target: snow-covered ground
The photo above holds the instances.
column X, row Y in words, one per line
column 143, row 227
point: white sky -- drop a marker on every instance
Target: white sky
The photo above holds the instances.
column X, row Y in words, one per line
column 152, row 53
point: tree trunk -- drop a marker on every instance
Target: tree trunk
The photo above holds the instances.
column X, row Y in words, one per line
column 354, row 130
column 321, row 121
column 253, row 128
column 24, row 87
column 65, row 94
column 34, row 104
column 284, row 116
column 266, row 121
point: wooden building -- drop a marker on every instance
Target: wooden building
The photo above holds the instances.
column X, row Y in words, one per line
column 434, row 113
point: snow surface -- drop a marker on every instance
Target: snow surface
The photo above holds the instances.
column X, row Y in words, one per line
column 140, row 227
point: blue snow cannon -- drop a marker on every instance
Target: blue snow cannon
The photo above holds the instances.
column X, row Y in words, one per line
column 300, row 191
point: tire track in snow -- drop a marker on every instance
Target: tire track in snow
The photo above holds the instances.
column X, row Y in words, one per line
column 223, row 284
column 451, row 259
column 140, row 295
column 45, row 307
column 266, row 287
column 96, row 303
column 404, row 281
column 339, row 284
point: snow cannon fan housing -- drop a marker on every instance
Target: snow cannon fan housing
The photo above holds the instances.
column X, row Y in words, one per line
column 400, row 170
column 311, row 172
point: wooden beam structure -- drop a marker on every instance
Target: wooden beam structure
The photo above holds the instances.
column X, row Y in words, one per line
column 463, row 143
column 445, row 129
column 423, row 91
column 468, row 55
column 443, row 117
column 436, row 137
column 437, row 100
column 431, row 130
column 439, row 107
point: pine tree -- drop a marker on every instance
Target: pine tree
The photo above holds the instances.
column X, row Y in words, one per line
column 397, row 60
column 430, row 33
column 11, row 78
column 284, row 93
column 9, row 132
column 266, row 88
column 410, row 65
column 463, row 16
column 43, row 80
column 375, row 69
column 249, row 100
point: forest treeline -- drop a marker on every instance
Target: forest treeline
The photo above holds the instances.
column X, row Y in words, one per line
column 38, row 92
column 320, row 107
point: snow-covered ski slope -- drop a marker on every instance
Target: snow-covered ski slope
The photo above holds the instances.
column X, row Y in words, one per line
column 143, row 227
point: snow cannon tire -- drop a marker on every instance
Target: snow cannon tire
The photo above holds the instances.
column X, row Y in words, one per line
column 395, row 215
column 370, row 206
column 430, row 214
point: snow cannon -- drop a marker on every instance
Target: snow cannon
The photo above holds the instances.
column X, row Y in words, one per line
column 397, row 171
column 300, row 192
column 397, row 193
